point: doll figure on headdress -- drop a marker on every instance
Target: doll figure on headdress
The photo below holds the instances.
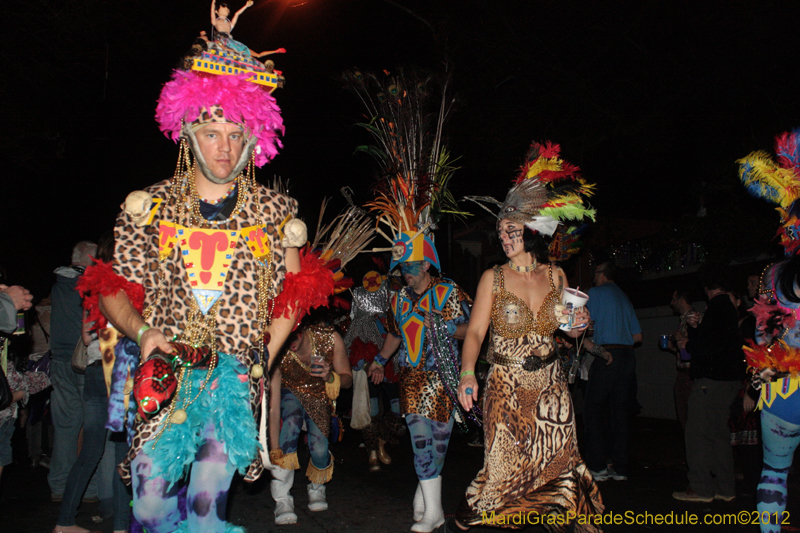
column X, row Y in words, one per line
column 224, row 26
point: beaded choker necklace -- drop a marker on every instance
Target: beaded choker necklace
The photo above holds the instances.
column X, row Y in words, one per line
column 517, row 268
column 223, row 197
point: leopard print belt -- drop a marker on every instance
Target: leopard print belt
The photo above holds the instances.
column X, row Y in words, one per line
column 530, row 363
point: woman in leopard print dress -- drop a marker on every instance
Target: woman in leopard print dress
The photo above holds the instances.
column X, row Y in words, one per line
column 532, row 473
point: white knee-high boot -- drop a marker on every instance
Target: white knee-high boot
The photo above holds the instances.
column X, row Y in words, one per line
column 280, row 486
column 419, row 504
column 316, row 497
column 433, row 516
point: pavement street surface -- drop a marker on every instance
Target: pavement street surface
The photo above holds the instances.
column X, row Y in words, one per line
column 378, row 502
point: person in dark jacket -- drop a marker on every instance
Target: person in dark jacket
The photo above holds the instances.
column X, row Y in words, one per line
column 717, row 369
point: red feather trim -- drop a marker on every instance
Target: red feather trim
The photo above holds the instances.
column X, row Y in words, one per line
column 770, row 317
column 100, row 279
column 305, row 290
column 779, row 356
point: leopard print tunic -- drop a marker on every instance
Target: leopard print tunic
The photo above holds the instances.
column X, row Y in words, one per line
column 421, row 389
column 531, row 458
column 136, row 258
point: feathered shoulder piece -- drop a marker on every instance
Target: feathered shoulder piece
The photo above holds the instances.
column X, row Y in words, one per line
column 322, row 262
column 550, row 197
column 777, row 182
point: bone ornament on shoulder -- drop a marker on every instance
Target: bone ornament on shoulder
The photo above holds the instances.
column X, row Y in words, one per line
column 295, row 234
column 137, row 206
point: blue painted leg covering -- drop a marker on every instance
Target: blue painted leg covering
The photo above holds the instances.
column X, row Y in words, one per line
column 429, row 439
column 780, row 439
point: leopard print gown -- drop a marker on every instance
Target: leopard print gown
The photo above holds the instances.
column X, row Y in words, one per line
column 531, row 460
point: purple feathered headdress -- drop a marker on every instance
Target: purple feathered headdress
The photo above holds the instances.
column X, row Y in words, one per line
column 185, row 96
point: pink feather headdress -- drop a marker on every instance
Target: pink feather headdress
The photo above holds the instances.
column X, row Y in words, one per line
column 184, row 97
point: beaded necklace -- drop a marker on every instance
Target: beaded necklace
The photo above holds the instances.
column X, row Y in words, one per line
column 200, row 329
column 222, row 198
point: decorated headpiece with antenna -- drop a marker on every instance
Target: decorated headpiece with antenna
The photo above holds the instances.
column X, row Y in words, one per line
column 549, row 196
column 405, row 115
column 778, row 183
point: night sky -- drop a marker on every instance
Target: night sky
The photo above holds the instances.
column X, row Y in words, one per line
column 653, row 100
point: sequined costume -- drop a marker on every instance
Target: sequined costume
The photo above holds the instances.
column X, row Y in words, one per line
column 363, row 340
column 307, row 400
column 531, row 462
column 308, row 389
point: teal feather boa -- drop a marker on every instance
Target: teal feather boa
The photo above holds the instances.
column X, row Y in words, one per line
column 225, row 402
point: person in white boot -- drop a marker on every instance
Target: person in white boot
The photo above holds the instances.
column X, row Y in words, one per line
column 313, row 369
column 423, row 399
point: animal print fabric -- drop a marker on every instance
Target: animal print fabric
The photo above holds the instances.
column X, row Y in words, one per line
column 136, row 259
column 531, row 458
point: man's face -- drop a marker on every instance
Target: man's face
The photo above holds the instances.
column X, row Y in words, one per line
column 221, row 144
column 599, row 276
column 414, row 273
column 674, row 304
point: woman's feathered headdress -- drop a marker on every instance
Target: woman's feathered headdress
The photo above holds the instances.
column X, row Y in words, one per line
column 777, row 183
column 405, row 116
column 547, row 195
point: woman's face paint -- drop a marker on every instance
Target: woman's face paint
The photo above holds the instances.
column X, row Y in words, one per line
column 510, row 235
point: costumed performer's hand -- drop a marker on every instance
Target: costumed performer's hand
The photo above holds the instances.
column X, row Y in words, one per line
column 769, row 375
column 467, row 400
column 151, row 339
column 280, row 51
column 602, row 353
column 580, row 323
column 375, row 373
column 324, row 370
column 22, row 297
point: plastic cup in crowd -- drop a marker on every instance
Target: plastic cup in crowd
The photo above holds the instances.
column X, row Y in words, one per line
column 574, row 300
column 663, row 342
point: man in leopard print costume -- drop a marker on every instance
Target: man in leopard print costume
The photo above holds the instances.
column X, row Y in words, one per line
column 210, row 248
column 424, row 402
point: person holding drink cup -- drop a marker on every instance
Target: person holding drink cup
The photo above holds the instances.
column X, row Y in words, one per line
column 521, row 301
column 313, row 369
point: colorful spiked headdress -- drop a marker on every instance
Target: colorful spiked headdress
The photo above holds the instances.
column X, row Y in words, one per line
column 405, row 116
column 550, row 197
column 778, row 183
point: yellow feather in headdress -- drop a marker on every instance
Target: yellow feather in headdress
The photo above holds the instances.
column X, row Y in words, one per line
column 760, row 174
column 542, row 164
